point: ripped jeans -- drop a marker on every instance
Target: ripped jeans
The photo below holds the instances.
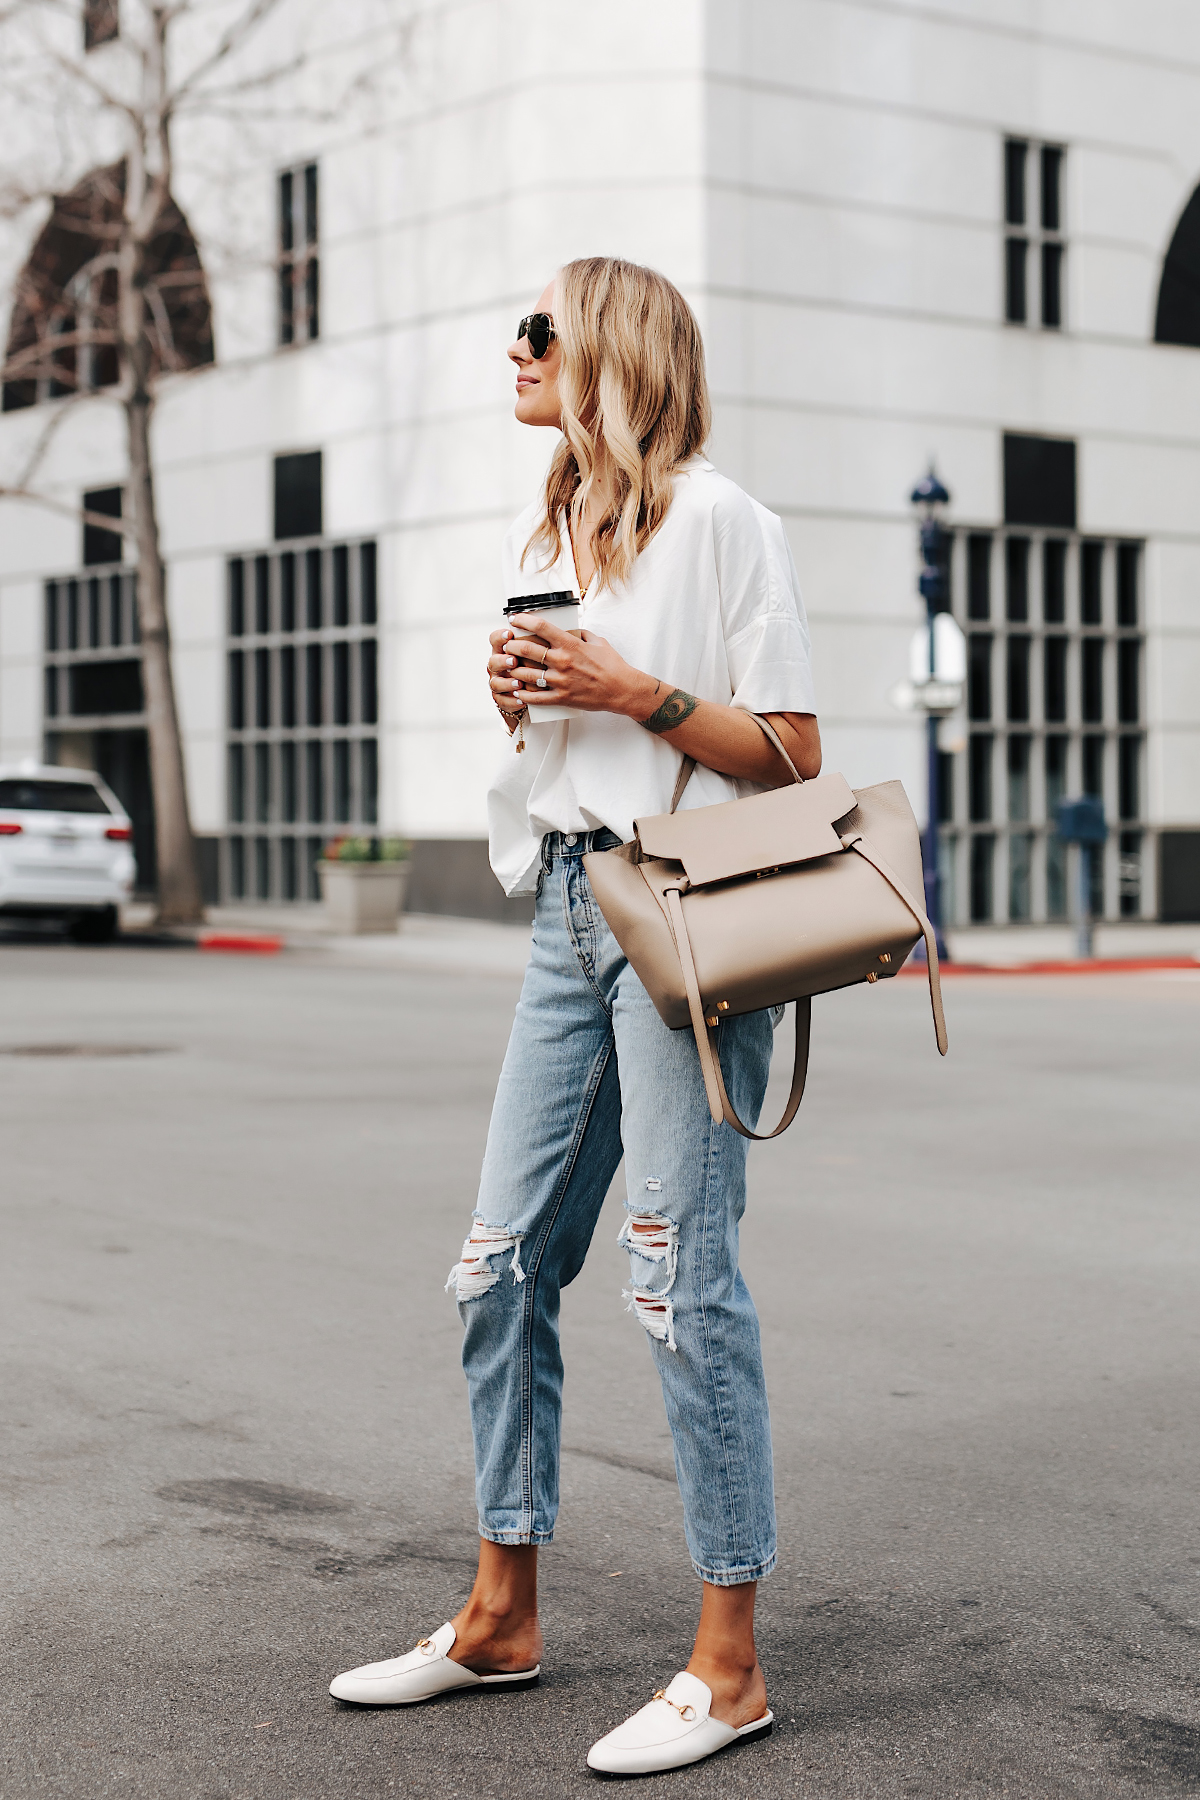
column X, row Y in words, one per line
column 592, row 1072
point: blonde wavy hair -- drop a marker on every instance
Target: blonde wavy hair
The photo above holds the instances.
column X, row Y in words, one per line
column 634, row 398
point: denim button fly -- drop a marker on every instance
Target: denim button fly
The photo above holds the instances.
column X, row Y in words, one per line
column 571, row 838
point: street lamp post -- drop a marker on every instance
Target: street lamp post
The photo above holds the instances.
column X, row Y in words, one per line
column 929, row 496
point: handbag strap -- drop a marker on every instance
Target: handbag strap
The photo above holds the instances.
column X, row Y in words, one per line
column 688, row 764
column 871, row 855
column 719, row 1103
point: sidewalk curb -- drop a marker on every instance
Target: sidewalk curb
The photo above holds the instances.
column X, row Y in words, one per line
column 1141, row 965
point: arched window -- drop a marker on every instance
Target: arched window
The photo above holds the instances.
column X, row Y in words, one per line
column 1178, row 318
column 62, row 337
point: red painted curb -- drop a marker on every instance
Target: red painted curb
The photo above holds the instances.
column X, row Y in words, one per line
column 239, row 944
column 1097, row 966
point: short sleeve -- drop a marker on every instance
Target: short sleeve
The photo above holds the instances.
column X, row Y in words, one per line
column 762, row 613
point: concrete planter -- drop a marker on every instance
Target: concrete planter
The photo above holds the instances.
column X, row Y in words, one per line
column 363, row 896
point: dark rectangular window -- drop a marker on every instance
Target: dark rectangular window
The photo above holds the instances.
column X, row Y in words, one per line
column 369, row 680
column 298, row 495
column 1130, row 873
column 1054, row 581
column 99, row 545
column 1039, row 481
column 93, row 614
column 262, row 689
column 52, row 615
column 262, row 868
column 1056, row 773
column 287, row 590
column 341, row 684
column 1091, row 572
column 1052, row 268
column 287, row 686
column 370, row 781
column 262, row 782
column 237, row 597
column 1018, row 678
column 979, row 675
column 52, row 692
column 1179, row 877
column 314, row 780
column 237, row 782
column 1016, row 579
column 1127, row 584
column 299, row 263
column 289, row 786
column 1020, row 872
column 262, row 596
column 341, row 781
column 289, row 868
column 237, row 868
column 1019, row 748
column 314, row 707
column 979, row 576
column 116, row 612
column 341, row 585
column 367, row 578
column 1052, row 161
column 1016, row 151
column 72, row 615
column 1129, row 790
column 98, row 688
column 1054, row 680
column 315, row 850
column 237, row 691
column 1016, row 305
column 1128, row 685
column 1091, row 686
column 314, row 591
column 945, row 787
column 979, row 777
column 101, row 22
column 1093, row 765
column 982, row 857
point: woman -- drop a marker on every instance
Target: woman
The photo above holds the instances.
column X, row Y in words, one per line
column 692, row 620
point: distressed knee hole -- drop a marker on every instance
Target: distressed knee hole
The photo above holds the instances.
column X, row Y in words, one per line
column 652, row 1238
column 477, row 1272
column 655, row 1314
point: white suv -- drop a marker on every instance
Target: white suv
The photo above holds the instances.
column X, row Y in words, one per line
column 66, row 849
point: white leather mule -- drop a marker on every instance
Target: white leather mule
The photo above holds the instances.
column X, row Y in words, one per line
column 419, row 1675
column 674, row 1729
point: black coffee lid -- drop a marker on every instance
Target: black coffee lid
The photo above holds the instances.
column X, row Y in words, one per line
column 539, row 602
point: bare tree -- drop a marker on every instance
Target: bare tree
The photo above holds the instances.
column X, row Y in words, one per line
column 115, row 295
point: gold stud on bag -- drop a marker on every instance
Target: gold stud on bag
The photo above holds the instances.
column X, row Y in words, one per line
column 777, row 897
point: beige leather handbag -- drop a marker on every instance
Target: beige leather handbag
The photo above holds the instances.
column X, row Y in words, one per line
column 730, row 908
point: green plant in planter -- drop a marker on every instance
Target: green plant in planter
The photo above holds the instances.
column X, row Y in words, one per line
column 364, row 849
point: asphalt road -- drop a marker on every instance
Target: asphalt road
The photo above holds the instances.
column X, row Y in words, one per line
column 237, row 1453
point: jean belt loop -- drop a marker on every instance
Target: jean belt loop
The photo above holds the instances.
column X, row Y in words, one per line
column 547, row 851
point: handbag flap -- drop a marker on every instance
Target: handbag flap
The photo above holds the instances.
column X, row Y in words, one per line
column 766, row 831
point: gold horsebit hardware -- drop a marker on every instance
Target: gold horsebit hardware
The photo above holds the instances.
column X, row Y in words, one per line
column 685, row 1712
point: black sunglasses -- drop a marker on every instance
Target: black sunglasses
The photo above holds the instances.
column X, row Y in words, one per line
column 539, row 329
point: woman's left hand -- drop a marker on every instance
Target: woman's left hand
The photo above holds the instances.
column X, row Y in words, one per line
column 579, row 671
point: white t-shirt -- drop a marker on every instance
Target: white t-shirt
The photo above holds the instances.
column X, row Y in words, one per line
column 712, row 605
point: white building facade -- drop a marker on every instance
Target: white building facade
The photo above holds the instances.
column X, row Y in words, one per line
column 957, row 232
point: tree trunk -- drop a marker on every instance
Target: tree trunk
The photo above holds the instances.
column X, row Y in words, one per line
column 179, row 897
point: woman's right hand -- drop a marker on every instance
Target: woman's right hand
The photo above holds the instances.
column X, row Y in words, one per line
column 502, row 675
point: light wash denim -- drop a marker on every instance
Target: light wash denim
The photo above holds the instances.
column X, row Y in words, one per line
column 591, row 1072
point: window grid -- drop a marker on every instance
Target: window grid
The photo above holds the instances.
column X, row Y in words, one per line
column 91, row 655
column 1034, row 243
column 299, row 263
column 302, row 701
column 1055, row 666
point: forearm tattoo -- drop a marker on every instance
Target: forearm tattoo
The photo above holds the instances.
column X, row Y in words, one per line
column 677, row 707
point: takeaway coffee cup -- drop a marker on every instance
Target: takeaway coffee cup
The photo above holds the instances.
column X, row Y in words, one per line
column 564, row 610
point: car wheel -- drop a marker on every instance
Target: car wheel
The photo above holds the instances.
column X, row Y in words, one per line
column 96, row 927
